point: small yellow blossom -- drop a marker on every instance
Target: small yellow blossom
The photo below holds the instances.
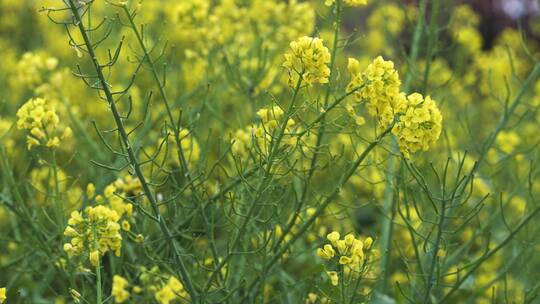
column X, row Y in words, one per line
column 171, row 291
column 126, row 226
column 43, row 124
column 90, row 190
column 75, row 295
column 94, row 258
column 351, row 3
column 119, row 291
column 334, row 277
column 333, row 237
column 508, row 141
column 327, row 252
column 2, row 295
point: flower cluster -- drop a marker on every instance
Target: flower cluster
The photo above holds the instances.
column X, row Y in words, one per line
column 2, row 295
column 119, row 291
column 417, row 122
column 313, row 298
column 95, row 232
column 43, row 122
column 172, row 290
column 262, row 133
column 114, row 194
column 128, row 185
column 32, row 66
column 463, row 26
column 379, row 86
column 508, row 141
column 351, row 3
column 307, row 58
column 271, row 116
column 349, row 252
column 165, row 288
column 419, row 126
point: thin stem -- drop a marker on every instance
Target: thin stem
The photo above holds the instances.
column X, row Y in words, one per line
column 274, row 147
column 435, row 251
column 432, row 40
column 489, row 254
column 320, row 118
column 388, row 201
column 131, row 153
column 98, row 269
column 337, row 189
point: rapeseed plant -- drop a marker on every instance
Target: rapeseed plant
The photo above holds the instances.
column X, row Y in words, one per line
column 266, row 151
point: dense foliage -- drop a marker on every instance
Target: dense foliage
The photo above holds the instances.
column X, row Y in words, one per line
column 266, row 151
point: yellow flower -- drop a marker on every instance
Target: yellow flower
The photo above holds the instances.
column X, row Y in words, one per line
column 327, row 252
column 165, row 295
column 349, row 251
column 334, row 278
column 419, row 126
column 333, row 237
column 177, row 286
column 90, row 190
column 2, row 295
column 508, row 141
column 270, row 114
column 379, row 86
column 351, row 3
column 94, row 258
column 174, row 289
column 75, row 295
column 344, row 260
column 43, row 122
column 95, row 233
column 307, row 58
column 125, row 225
column 368, row 242
column 190, row 146
column 119, row 291
column 378, row 21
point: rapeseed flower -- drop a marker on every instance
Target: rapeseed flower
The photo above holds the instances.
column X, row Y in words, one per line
column 119, row 291
column 44, row 124
column 93, row 232
column 2, row 295
column 308, row 59
column 419, row 125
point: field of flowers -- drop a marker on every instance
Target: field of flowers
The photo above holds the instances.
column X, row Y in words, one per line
column 267, row 151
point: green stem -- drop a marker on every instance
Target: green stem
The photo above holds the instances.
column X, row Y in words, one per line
column 180, row 151
column 131, row 153
column 60, row 214
column 533, row 76
column 388, row 201
column 320, row 209
column 435, row 251
column 274, row 147
column 431, row 43
column 489, row 254
column 342, row 283
column 99, row 296
column 320, row 118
